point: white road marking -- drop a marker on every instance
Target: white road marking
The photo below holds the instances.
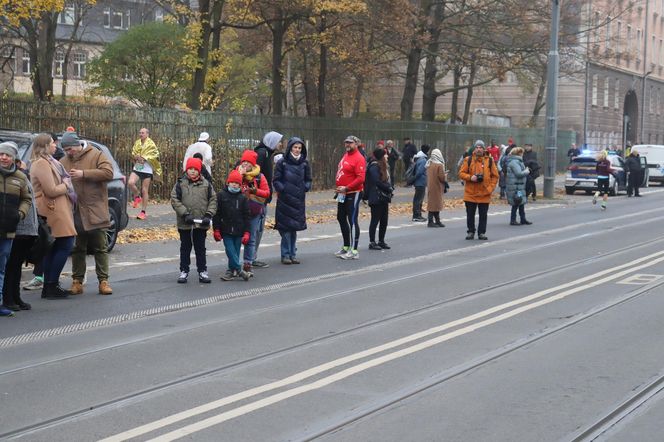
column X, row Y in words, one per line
column 569, row 289
column 640, row 279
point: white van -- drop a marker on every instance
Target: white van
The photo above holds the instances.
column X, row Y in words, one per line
column 654, row 154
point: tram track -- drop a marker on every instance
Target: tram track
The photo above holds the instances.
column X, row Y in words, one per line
column 143, row 394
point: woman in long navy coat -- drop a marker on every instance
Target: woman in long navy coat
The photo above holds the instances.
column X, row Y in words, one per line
column 292, row 180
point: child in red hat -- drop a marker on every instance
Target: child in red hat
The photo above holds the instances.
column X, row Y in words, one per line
column 194, row 202
column 231, row 224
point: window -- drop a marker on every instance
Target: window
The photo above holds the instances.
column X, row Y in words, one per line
column 616, row 95
column 653, row 50
column 608, row 33
column 8, row 58
column 659, row 53
column 58, row 63
column 25, row 65
column 629, row 39
column 68, row 14
column 618, row 37
column 594, row 96
column 116, row 19
column 638, row 45
column 127, row 21
column 107, row 17
column 159, row 15
column 597, row 24
column 651, row 102
column 658, row 102
column 79, row 59
column 606, row 92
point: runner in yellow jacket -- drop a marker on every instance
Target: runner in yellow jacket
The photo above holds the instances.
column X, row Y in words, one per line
column 146, row 166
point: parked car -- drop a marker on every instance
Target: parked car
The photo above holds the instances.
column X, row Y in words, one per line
column 117, row 187
column 582, row 174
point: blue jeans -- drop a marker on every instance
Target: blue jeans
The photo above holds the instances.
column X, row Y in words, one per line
column 5, row 251
column 250, row 247
column 55, row 259
column 259, row 233
column 232, row 245
column 288, row 238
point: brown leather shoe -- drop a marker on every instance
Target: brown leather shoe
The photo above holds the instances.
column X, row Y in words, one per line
column 76, row 287
column 105, row 288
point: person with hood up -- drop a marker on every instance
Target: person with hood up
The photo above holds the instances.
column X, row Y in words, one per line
column 231, row 224
column 480, row 175
column 502, row 169
column 272, row 141
column 194, row 202
column 16, row 202
column 436, row 187
column 292, row 180
column 256, row 188
column 420, row 182
column 203, row 149
column 516, row 178
column 377, row 188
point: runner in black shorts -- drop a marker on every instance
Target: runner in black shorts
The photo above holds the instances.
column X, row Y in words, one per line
column 604, row 170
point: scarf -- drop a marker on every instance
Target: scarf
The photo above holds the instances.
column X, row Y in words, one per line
column 436, row 157
column 65, row 177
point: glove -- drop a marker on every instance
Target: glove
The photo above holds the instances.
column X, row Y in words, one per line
column 189, row 219
column 217, row 235
column 206, row 221
column 253, row 190
column 245, row 238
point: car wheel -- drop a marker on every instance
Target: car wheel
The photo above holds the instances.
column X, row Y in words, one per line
column 112, row 230
column 569, row 190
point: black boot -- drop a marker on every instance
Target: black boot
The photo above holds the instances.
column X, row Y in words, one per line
column 52, row 290
column 436, row 216
column 430, row 219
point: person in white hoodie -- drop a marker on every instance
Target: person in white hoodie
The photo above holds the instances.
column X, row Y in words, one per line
column 265, row 149
column 202, row 147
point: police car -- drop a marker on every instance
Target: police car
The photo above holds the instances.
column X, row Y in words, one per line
column 582, row 173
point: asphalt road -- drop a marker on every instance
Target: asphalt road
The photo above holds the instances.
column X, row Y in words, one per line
column 544, row 332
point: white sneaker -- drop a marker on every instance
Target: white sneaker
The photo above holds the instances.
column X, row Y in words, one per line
column 341, row 252
column 183, row 277
column 351, row 254
column 595, row 196
column 35, row 284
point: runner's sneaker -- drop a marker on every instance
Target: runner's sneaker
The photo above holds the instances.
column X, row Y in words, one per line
column 142, row 215
column 204, row 278
column 137, row 202
column 183, row 277
column 260, row 264
column 341, row 252
column 245, row 275
column 603, row 206
column 229, row 275
column 351, row 254
column 37, row 283
column 595, row 196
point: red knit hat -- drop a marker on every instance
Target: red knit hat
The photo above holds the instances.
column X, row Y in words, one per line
column 380, row 143
column 234, row 177
column 194, row 163
column 249, row 155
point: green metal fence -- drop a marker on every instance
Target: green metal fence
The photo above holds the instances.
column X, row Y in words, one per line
column 174, row 130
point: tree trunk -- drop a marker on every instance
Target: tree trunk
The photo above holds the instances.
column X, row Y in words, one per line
column 309, row 85
column 202, row 53
column 41, row 57
column 429, row 95
column 469, row 95
column 539, row 101
column 322, row 74
column 357, row 100
column 279, row 29
column 454, row 109
column 410, row 86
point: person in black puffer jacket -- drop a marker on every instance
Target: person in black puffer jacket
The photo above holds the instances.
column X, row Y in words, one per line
column 292, row 180
column 377, row 179
column 633, row 166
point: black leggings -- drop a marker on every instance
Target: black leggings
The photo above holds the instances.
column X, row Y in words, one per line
column 379, row 216
column 347, row 213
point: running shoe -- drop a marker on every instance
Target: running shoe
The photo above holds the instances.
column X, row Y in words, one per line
column 142, row 215
column 341, row 252
column 37, row 283
column 183, row 277
column 204, row 278
column 137, row 202
column 351, row 254
column 595, row 196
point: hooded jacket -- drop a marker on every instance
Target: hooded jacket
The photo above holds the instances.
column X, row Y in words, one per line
column 196, row 198
column 516, row 175
column 15, row 199
column 265, row 150
column 292, row 180
column 478, row 192
column 420, row 159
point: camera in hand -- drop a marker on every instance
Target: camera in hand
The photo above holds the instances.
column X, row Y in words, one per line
column 480, row 177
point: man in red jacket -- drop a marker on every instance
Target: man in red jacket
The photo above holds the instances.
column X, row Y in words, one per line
column 350, row 183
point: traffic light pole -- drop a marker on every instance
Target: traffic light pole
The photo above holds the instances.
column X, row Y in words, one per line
column 552, row 104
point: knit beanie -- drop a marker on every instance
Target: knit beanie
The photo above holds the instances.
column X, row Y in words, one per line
column 234, row 177
column 195, row 163
column 250, row 156
column 9, row 148
column 69, row 139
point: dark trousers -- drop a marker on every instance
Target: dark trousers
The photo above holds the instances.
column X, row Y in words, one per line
column 379, row 217
column 392, row 167
column 347, row 214
column 633, row 183
column 195, row 237
column 418, row 198
column 12, row 285
column 522, row 213
column 471, row 208
column 55, row 259
column 531, row 189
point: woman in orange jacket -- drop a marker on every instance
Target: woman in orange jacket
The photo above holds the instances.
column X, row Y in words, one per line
column 480, row 174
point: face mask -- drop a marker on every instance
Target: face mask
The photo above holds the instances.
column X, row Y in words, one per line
column 234, row 189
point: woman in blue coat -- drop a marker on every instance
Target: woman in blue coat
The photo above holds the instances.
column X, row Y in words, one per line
column 515, row 188
column 292, row 180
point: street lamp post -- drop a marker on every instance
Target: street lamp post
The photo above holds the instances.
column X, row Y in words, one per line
column 552, row 104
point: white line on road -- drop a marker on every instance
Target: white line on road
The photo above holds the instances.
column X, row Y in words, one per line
column 586, row 282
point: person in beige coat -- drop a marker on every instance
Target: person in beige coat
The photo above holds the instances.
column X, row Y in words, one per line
column 55, row 199
column 436, row 187
column 90, row 172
